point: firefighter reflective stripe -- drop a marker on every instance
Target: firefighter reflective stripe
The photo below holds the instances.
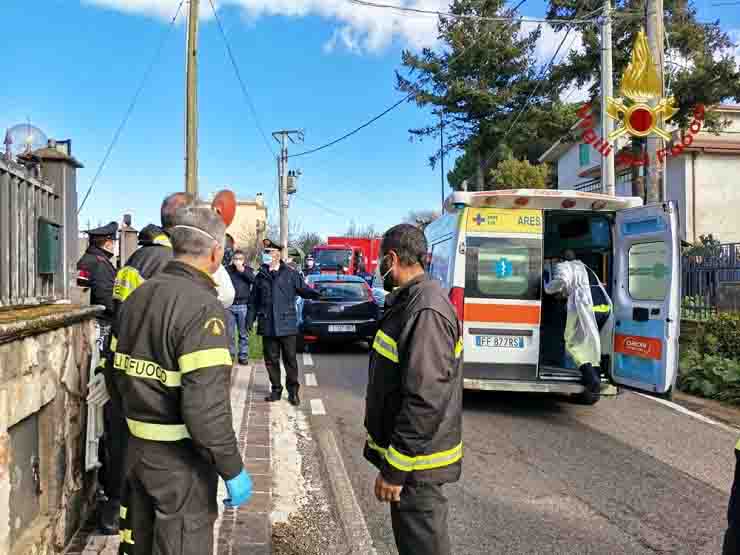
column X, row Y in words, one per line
column 423, row 462
column 602, row 308
column 138, row 368
column 162, row 240
column 420, row 462
column 386, row 346
column 737, row 445
column 459, row 348
column 127, row 280
column 157, row 432
column 103, row 363
column 127, row 536
column 374, row 446
column 124, row 511
column 204, row 359
column 113, row 343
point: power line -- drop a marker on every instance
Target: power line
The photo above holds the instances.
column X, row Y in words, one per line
column 355, row 130
column 406, row 9
column 241, row 82
column 132, row 105
column 321, row 205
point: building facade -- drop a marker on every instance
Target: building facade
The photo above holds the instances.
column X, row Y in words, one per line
column 250, row 222
column 704, row 181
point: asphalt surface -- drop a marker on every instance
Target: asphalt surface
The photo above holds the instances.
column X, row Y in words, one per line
column 542, row 475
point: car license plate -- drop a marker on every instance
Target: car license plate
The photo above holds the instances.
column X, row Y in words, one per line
column 500, row 341
column 342, row 329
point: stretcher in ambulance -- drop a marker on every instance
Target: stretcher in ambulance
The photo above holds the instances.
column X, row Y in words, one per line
column 493, row 251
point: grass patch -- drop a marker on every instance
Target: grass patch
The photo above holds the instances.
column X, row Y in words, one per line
column 255, row 347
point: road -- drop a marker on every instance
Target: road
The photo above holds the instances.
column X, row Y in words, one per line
column 542, row 475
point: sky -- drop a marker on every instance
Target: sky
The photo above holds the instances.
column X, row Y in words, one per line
column 326, row 66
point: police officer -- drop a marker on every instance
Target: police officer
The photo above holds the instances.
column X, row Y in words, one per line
column 172, row 368
column 413, row 413
column 95, row 269
column 96, row 272
column 272, row 302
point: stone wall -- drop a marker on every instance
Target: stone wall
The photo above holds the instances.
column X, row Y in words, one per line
column 44, row 369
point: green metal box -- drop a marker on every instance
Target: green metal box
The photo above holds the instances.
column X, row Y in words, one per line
column 48, row 247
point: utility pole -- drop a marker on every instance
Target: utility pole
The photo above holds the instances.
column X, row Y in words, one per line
column 655, row 181
column 607, row 92
column 283, row 137
column 191, row 103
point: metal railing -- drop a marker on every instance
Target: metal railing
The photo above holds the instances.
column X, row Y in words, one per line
column 702, row 276
column 24, row 201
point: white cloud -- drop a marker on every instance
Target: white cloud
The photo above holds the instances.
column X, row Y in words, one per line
column 358, row 28
column 550, row 40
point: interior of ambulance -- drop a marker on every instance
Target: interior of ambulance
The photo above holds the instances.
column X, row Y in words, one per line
column 588, row 235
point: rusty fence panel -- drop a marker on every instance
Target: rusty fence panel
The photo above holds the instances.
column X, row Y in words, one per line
column 23, row 200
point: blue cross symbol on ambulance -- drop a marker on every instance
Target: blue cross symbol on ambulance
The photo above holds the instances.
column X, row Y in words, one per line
column 479, row 219
column 504, row 268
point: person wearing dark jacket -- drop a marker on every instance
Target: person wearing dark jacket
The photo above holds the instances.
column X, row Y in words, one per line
column 272, row 304
column 95, row 271
column 413, row 413
column 242, row 279
column 731, row 544
column 154, row 252
column 173, row 368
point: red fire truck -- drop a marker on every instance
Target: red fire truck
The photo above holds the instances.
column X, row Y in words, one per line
column 348, row 255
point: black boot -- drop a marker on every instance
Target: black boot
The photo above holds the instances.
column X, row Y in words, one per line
column 591, row 379
column 294, row 399
column 275, row 395
column 108, row 516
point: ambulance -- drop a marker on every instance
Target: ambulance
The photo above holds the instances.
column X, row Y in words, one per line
column 493, row 251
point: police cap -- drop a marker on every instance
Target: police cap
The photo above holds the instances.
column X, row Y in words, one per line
column 109, row 230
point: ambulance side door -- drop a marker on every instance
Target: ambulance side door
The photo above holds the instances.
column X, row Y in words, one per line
column 647, row 276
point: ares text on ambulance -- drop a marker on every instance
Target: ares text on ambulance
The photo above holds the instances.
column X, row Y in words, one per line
column 492, row 250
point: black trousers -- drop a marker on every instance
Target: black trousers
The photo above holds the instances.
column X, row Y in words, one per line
column 169, row 504
column 273, row 347
column 732, row 536
column 113, row 447
column 420, row 521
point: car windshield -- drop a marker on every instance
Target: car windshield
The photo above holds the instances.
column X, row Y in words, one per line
column 342, row 290
column 332, row 258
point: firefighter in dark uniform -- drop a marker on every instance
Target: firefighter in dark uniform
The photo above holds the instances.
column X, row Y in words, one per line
column 731, row 544
column 96, row 272
column 154, row 252
column 272, row 304
column 172, row 368
column 413, row 413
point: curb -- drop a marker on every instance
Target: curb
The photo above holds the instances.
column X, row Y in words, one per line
column 351, row 516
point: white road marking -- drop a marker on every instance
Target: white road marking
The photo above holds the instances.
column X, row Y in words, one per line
column 311, row 380
column 307, row 359
column 317, row 407
column 687, row 412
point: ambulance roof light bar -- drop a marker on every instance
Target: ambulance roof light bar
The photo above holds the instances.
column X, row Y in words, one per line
column 543, row 199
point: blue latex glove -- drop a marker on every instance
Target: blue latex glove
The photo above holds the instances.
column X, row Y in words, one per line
column 240, row 490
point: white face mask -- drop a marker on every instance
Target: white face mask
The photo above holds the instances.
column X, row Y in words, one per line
column 267, row 259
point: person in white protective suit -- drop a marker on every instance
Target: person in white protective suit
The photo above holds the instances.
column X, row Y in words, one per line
column 582, row 338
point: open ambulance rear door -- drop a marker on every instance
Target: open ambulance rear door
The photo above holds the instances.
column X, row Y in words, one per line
column 646, row 297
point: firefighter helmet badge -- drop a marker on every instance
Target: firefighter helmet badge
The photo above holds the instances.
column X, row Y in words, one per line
column 640, row 85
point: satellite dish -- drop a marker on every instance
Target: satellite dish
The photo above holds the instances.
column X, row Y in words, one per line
column 24, row 138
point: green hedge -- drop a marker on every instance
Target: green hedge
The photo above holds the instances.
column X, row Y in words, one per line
column 710, row 362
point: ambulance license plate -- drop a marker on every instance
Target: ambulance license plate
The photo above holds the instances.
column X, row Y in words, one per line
column 500, row 341
column 342, row 329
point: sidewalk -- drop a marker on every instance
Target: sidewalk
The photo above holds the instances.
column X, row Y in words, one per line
column 246, row 530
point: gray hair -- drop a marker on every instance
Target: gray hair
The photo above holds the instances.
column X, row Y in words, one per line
column 196, row 230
